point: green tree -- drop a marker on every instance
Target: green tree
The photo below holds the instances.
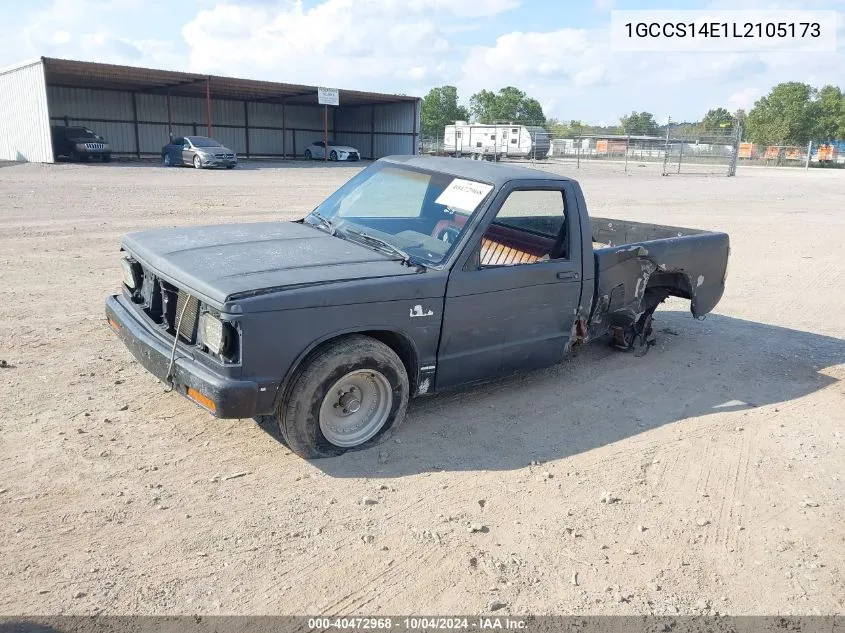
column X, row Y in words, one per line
column 786, row 116
column 440, row 108
column 639, row 123
column 509, row 104
column 830, row 114
column 717, row 119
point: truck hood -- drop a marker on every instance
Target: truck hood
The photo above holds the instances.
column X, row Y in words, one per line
column 223, row 262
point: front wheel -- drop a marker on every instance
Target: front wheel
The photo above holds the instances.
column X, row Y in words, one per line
column 307, row 154
column 351, row 393
column 333, row 155
column 197, row 162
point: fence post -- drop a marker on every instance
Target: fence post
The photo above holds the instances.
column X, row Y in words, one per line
column 809, row 152
column 666, row 148
column 680, row 156
column 578, row 150
column 735, row 154
column 627, row 147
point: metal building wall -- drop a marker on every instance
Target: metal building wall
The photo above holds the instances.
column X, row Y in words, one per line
column 379, row 130
column 24, row 122
column 111, row 114
column 138, row 123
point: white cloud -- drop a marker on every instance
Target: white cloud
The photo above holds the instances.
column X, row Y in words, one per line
column 90, row 30
column 410, row 45
column 743, row 99
column 337, row 42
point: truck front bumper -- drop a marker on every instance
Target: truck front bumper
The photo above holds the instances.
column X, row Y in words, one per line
column 222, row 396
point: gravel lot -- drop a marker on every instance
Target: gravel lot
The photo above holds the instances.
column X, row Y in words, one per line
column 705, row 477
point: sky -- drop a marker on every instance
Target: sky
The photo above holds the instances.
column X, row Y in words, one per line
column 557, row 51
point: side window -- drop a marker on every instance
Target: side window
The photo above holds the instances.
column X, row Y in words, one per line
column 530, row 227
column 178, row 141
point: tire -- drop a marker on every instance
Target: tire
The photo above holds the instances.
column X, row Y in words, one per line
column 369, row 374
column 230, row 166
column 197, row 162
column 307, row 154
column 106, row 158
column 166, row 160
column 333, row 155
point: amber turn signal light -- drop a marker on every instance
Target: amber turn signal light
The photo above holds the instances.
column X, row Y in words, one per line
column 199, row 398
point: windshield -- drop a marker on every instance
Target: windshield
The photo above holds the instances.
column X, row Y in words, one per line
column 202, row 141
column 80, row 132
column 421, row 213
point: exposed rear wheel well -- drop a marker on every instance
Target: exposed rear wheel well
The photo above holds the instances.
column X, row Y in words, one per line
column 661, row 285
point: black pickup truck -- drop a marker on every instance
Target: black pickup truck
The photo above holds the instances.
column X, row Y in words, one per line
column 419, row 274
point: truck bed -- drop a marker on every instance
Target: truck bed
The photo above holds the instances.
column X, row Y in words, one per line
column 637, row 265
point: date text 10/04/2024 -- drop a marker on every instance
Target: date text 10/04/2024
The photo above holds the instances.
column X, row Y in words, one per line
column 419, row 624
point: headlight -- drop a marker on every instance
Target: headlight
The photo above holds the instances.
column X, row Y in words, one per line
column 215, row 333
column 131, row 273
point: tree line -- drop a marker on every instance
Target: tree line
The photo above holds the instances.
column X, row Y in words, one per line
column 793, row 113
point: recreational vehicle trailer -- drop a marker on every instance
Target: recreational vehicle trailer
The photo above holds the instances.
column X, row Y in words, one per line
column 494, row 141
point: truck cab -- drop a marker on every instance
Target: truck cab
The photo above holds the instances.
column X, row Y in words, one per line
column 417, row 275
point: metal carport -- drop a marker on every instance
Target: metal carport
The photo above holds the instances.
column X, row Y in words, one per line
column 139, row 109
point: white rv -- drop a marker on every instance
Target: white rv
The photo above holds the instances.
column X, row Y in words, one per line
column 493, row 141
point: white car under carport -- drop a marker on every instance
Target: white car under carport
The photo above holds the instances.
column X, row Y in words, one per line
column 336, row 152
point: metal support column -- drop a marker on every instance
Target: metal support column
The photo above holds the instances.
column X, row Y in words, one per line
column 246, row 127
column 208, row 104
column 285, row 134
column 373, row 132
column 169, row 118
column 416, row 111
column 135, row 126
column 325, row 133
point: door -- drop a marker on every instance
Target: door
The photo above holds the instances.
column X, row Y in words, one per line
column 174, row 150
column 317, row 150
column 504, row 143
column 187, row 153
column 512, row 296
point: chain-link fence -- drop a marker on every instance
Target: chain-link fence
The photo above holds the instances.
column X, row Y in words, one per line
column 679, row 151
column 676, row 149
column 814, row 154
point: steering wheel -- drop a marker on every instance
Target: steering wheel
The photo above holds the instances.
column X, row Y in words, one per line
column 449, row 230
column 448, row 234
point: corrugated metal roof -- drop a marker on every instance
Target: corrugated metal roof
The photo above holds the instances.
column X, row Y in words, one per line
column 78, row 74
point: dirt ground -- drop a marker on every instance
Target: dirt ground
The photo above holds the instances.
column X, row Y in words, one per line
column 706, row 477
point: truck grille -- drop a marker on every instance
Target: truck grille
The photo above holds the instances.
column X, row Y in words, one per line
column 94, row 145
column 188, row 325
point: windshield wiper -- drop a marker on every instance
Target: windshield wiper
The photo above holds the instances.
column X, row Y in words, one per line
column 325, row 222
column 377, row 241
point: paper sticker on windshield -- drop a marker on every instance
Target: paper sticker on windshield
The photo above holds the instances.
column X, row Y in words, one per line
column 463, row 194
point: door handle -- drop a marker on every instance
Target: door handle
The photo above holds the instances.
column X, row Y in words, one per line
column 568, row 275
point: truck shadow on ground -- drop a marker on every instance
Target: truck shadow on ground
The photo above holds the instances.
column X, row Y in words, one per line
column 600, row 396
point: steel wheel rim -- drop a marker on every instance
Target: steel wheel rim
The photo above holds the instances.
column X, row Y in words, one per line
column 356, row 407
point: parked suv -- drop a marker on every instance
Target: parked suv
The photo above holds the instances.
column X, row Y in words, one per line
column 79, row 143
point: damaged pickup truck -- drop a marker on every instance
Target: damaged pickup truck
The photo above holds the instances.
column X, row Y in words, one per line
column 419, row 274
